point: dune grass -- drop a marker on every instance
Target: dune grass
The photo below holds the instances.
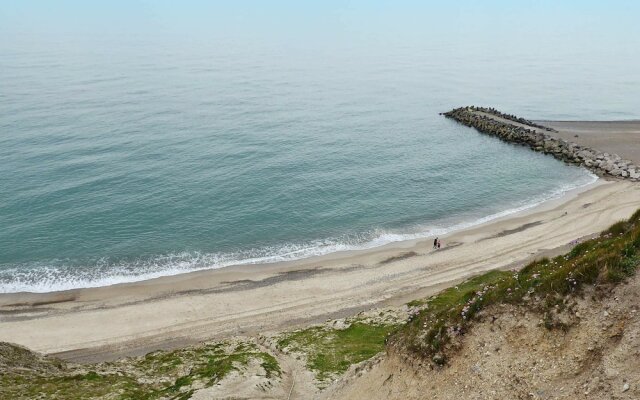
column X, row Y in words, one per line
column 158, row 375
column 330, row 352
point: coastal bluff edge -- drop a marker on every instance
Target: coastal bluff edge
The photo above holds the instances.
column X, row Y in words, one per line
column 512, row 129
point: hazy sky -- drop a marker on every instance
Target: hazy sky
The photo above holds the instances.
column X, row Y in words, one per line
column 601, row 25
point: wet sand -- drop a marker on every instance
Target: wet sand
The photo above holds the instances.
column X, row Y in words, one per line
column 614, row 137
column 110, row 322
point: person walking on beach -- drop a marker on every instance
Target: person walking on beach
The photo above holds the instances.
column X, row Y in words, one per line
column 439, row 244
column 435, row 243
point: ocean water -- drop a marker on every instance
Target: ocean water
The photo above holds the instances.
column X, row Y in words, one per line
column 122, row 162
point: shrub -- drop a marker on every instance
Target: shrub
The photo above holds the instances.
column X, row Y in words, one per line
column 619, row 228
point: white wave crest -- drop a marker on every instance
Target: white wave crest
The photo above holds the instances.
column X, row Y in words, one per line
column 60, row 275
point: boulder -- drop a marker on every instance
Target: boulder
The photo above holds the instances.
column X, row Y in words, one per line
column 599, row 162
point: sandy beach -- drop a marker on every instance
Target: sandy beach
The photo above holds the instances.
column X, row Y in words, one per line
column 109, row 322
column 615, row 137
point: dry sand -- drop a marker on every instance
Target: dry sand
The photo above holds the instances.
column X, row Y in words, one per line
column 614, row 137
column 109, row 322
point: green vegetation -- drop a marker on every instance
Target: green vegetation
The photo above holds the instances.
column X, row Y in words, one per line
column 53, row 386
column 331, row 351
column 158, row 375
column 543, row 285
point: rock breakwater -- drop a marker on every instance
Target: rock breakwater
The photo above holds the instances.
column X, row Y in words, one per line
column 521, row 131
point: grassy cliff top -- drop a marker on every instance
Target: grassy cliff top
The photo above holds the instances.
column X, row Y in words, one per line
column 544, row 286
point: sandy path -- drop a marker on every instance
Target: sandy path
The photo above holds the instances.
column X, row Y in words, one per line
column 105, row 323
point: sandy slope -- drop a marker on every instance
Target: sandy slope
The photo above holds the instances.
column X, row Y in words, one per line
column 105, row 323
column 511, row 355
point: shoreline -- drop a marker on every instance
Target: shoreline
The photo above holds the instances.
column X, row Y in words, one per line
column 614, row 137
column 558, row 195
column 335, row 256
column 512, row 129
column 621, row 133
column 109, row 322
column 170, row 312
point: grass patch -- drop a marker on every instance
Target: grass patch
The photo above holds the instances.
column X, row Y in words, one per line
column 270, row 365
column 158, row 375
column 209, row 364
column 28, row 386
column 542, row 284
column 330, row 352
column 417, row 302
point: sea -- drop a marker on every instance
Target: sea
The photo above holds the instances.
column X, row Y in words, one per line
column 128, row 160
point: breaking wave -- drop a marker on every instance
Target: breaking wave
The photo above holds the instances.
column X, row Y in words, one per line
column 57, row 275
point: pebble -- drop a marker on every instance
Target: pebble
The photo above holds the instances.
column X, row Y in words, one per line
column 625, row 387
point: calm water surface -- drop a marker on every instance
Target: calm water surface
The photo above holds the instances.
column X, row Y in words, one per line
column 124, row 162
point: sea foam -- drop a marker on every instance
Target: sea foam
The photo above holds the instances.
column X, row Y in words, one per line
column 58, row 275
